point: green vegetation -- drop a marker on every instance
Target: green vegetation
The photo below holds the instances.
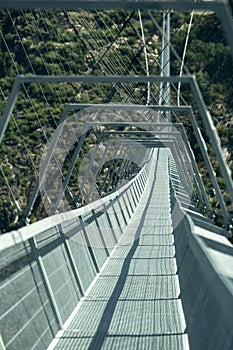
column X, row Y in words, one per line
column 59, row 43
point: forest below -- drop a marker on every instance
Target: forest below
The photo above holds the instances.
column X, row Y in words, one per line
column 99, row 43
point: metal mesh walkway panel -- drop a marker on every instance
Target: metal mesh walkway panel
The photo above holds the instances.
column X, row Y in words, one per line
column 135, row 300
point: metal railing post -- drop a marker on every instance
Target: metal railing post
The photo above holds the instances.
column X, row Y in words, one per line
column 89, row 247
column 2, row 346
column 100, row 233
column 71, row 260
column 45, row 280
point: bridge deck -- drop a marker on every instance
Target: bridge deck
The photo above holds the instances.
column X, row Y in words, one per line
column 134, row 303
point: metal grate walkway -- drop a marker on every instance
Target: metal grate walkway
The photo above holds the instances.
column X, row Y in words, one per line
column 134, row 302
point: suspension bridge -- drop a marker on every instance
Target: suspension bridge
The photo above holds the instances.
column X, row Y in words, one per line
column 112, row 241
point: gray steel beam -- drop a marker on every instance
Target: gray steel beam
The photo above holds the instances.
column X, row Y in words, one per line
column 224, row 12
column 164, row 88
column 103, row 79
column 10, row 104
column 213, row 135
column 196, row 171
column 140, row 132
column 205, row 155
column 182, row 6
column 42, row 173
column 125, row 107
column 221, row 7
column 21, row 79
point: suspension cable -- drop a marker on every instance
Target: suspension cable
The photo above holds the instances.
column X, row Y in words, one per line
column 146, row 57
column 183, row 57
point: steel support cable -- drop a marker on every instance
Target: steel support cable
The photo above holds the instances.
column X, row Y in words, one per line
column 106, row 65
column 32, row 68
column 41, row 88
column 183, row 56
column 21, row 135
column 119, row 57
column 68, row 151
column 87, row 45
column 28, row 155
column 98, row 37
column 38, row 48
column 28, row 96
column 14, row 64
column 212, row 34
column 145, row 49
column 116, row 163
column 134, row 57
column 223, row 166
column 156, row 60
column 172, row 49
column 109, row 42
column 17, row 72
column 104, row 182
column 10, row 190
column 41, row 56
column 44, row 42
column 49, row 14
column 51, row 59
column 129, row 91
column 82, row 185
column 53, row 18
column 146, row 57
column 61, row 64
column 28, row 59
column 137, row 98
column 144, row 43
column 119, row 34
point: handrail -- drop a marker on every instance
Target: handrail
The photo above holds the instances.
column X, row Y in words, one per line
column 25, row 233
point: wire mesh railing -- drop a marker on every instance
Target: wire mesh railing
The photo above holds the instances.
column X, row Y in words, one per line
column 47, row 267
